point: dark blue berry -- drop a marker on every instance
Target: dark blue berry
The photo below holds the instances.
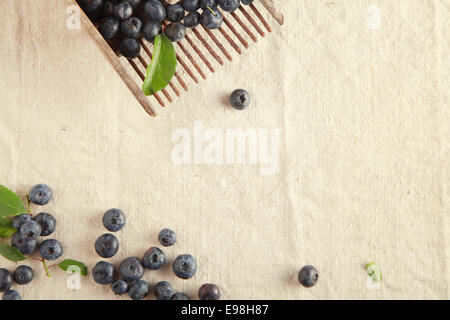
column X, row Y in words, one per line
column 308, row 276
column 154, row 11
column 212, row 18
column 134, row 3
column 47, row 223
column 24, row 245
column 175, row 31
column 6, row 280
column 119, row 287
column 247, row 2
column 175, row 12
column 192, row 20
column 180, row 296
column 20, row 220
column 107, row 245
column 132, row 27
column 23, row 274
column 131, row 269
column 184, row 266
column 30, row 230
column 108, row 9
column 40, row 194
column 123, row 10
column 204, row 4
column 139, row 290
column 91, row 5
column 167, row 237
column 209, row 291
column 114, row 220
column 11, row 295
column 103, row 272
column 240, row 99
column 154, row 259
column 163, row 290
column 229, row 5
column 151, row 30
column 51, row 249
column 109, row 27
column 130, row 48
column 191, row 5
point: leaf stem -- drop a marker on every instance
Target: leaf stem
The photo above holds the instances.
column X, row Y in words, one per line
column 28, row 205
column 46, row 268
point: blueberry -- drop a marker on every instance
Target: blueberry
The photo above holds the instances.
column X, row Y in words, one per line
column 192, row 20
column 109, row 27
column 167, row 237
column 130, row 48
column 229, row 5
column 151, row 30
column 51, row 249
column 134, row 3
column 40, row 194
column 23, row 275
column 175, row 12
column 139, row 290
column 212, row 19
column 247, row 2
column 308, row 276
column 107, row 245
column 108, row 9
column 6, row 280
column 154, row 259
column 20, row 220
column 163, row 290
column 180, row 296
column 154, row 11
column 123, row 10
column 204, row 4
column 119, row 287
column 209, row 291
column 30, row 230
column 24, row 245
column 131, row 269
column 47, row 223
column 175, row 31
column 114, row 220
column 184, row 266
column 191, row 5
column 131, row 27
column 91, row 5
column 11, row 295
column 240, row 99
column 103, row 272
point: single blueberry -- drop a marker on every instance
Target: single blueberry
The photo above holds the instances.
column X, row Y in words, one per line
column 191, row 5
column 192, row 20
column 51, row 249
column 40, row 194
column 131, row 269
column 107, row 245
column 6, row 280
column 139, row 290
column 154, row 11
column 119, row 287
column 151, row 30
column 240, row 99
column 212, row 19
column 47, row 223
column 247, row 2
column 175, row 31
column 175, row 12
column 184, row 266
column 154, row 258
column 108, row 9
column 30, row 230
column 20, row 220
column 23, row 274
column 134, row 3
column 209, row 291
column 11, row 295
column 308, row 276
column 163, row 290
column 91, row 5
column 167, row 237
column 180, row 296
column 103, row 272
column 24, row 245
column 205, row 4
column 130, row 48
column 114, row 220
column 109, row 27
column 229, row 5
column 123, row 10
column 132, row 27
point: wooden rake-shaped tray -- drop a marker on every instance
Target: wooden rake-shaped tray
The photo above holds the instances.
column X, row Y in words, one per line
column 132, row 72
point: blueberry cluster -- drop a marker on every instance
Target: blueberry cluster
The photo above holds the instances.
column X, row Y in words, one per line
column 131, row 270
column 22, row 275
column 129, row 20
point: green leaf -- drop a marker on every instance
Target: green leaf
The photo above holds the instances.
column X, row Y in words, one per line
column 374, row 271
column 162, row 68
column 11, row 253
column 6, row 232
column 74, row 266
column 5, row 222
column 10, row 203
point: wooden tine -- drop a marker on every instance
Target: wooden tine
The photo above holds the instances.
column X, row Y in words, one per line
column 260, row 17
column 246, row 29
column 199, row 53
column 206, row 45
column 274, row 12
column 164, row 91
column 141, row 75
column 237, row 34
column 252, row 21
column 218, row 43
column 188, row 70
column 194, row 63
